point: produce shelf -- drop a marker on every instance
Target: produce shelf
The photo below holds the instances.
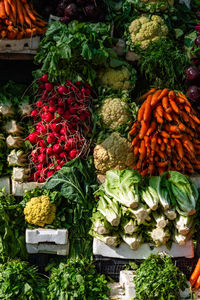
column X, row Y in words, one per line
column 16, row 56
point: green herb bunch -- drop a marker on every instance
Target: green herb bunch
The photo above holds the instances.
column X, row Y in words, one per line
column 19, row 281
column 163, row 64
column 158, row 278
column 77, row 279
column 12, row 228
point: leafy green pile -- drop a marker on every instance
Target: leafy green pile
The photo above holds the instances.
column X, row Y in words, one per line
column 76, row 182
column 12, row 93
column 12, row 228
column 75, row 51
column 158, row 278
column 20, row 281
column 163, row 64
column 77, row 279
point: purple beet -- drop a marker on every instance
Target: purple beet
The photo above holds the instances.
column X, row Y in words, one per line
column 192, row 73
column 197, row 41
column 71, row 10
column 91, row 11
column 193, row 93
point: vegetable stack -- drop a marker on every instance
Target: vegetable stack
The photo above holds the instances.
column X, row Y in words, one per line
column 63, row 123
column 18, row 20
column 166, row 134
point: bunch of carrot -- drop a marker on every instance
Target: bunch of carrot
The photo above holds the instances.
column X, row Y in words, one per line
column 195, row 277
column 166, row 134
column 18, row 20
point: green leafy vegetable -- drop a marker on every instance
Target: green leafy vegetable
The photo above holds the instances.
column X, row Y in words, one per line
column 158, row 278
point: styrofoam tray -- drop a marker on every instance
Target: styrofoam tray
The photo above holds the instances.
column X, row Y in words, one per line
column 29, row 45
column 125, row 252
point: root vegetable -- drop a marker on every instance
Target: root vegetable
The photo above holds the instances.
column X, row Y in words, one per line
column 12, row 128
column 14, row 142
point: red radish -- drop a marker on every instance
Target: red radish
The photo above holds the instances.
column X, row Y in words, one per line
column 63, row 131
column 42, row 158
column 63, row 162
column 55, row 127
column 49, row 150
column 83, row 117
column 67, row 115
column 73, row 153
column 63, row 138
column 42, row 87
column 35, row 113
column 42, row 150
column 72, row 110
column 62, row 90
column 39, row 103
column 33, row 138
column 60, row 110
column 42, row 144
column 63, row 154
column 78, row 83
column 48, row 86
column 44, row 78
column 40, row 166
column 44, row 95
column 50, row 173
column 69, row 82
column 57, row 148
column 45, row 108
column 52, row 108
column 52, row 101
column 57, row 168
column 70, row 101
column 61, row 102
column 41, row 129
column 41, row 180
column 48, row 117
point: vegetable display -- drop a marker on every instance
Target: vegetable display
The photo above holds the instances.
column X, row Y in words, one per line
column 158, row 278
column 160, row 211
column 166, row 134
column 63, row 124
column 19, row 20
column 151, row 5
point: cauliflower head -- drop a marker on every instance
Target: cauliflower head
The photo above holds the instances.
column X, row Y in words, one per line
column 114, row 153
column 114, row 113
column 40, row 211
column 144, row 30
column 116, row 79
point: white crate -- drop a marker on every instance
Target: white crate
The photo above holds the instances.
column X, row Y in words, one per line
column 125, row 252
column 5, row 183
column 19, row 188
column 27, row 46
column 41, row 235
column 48, row 248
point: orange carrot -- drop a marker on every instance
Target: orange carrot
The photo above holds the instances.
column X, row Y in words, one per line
column 155, row 96
column 179, row 100
column 26, row 17
column 162, row 155
column 179, row 148
column 147, row 110
column 182, row 127
column 151, row 169
column 2, row 10
column 171, row 128
column 164, row 134
column 172, row 143
column 133, row 129
column 141, row 112
column 165, row 103
column 146, row 140
column 144, row 128
column 144, row 172
column 158, row 118
column 151, row 91
column 167, row 116
column 142, row 150
column 174, row 106
column 135, row 140
column 29, row 12
column 176, row 136
column 161, row 171
column 162, row 147
column 152, row 128
column 171, row 95
column 3, row 33
column 153, row 142
column 195, row 119
column 7, row 8
column 159, row 110
column 139, row 164
column 20, row 12
column 11, row 35
column 175, row 117
column 163, row 94
column 187, row 108
column 165, row 140
column 169, row 149
column 185, row 116
column 162, row 164
column 159, row 140
column 136, row 149
column 197, row 284
column 192, row 123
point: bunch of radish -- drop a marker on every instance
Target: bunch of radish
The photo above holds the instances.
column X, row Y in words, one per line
column 62, row 116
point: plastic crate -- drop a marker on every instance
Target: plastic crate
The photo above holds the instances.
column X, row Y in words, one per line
column 111, row 267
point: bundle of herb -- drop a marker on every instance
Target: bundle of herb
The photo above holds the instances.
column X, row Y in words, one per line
column 158, row 278
column 76, row 182
column 77, row 279
column 163, row 64
column 20, row 281
column 12, row 228
column 75, row 51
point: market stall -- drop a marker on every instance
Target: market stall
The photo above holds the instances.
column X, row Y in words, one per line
column 99, row 149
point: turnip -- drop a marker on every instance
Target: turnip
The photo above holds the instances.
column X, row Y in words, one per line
column 57, row 148
column 13, row 128
column 62, row 90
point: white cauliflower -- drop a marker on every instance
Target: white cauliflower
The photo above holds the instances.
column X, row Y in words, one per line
column 116, row 79
column 114, row 113
column 144, row 30
column 114, row 153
